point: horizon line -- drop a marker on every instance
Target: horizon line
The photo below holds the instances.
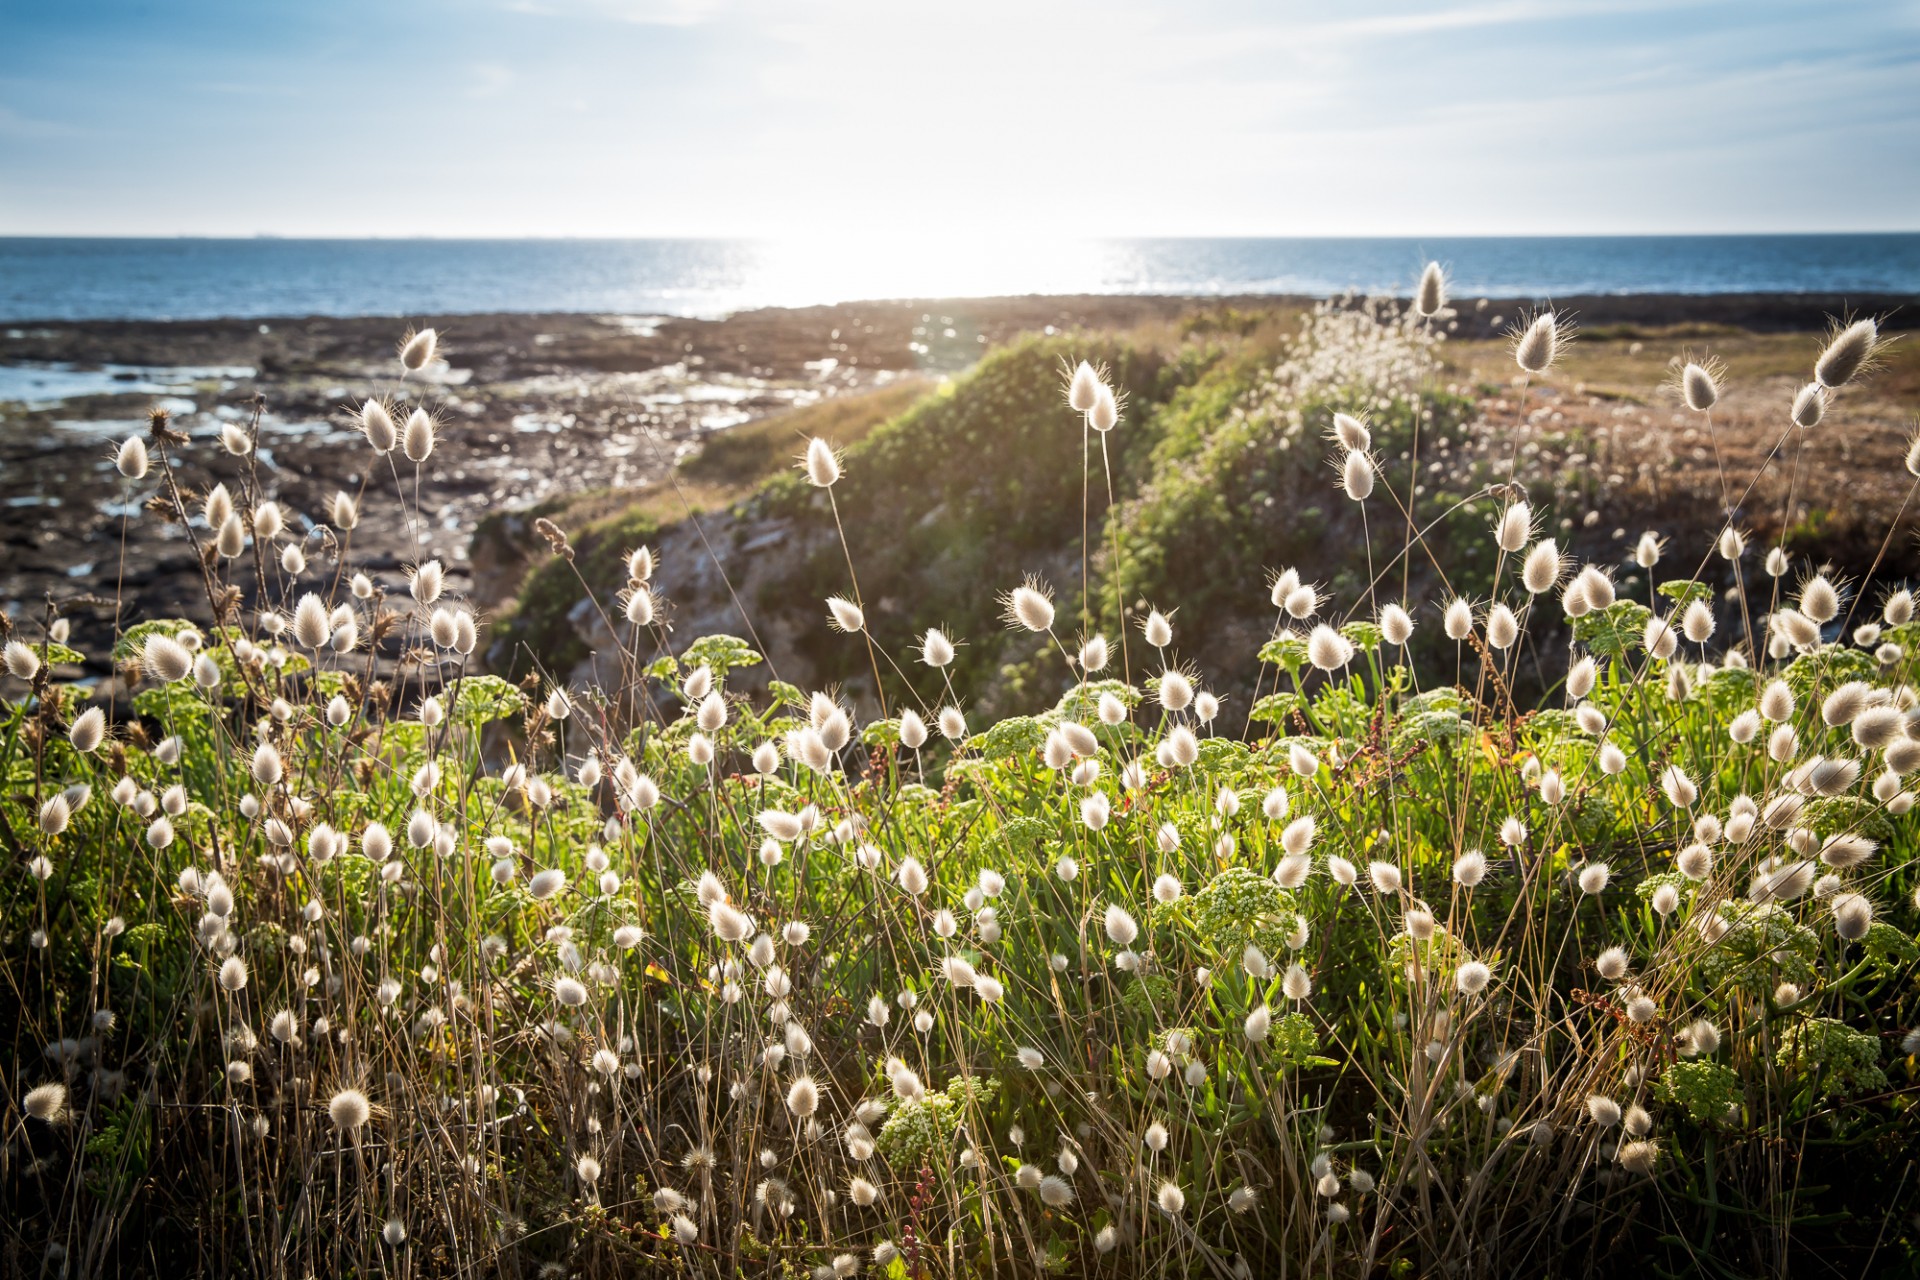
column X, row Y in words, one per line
column 1040, row 236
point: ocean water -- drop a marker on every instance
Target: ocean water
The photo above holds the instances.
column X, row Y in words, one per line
column 69, row 279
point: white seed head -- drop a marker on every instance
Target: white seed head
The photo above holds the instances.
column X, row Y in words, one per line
column 1698, row 388
column 1847, row 354
column 1431, row 294
column 821, row 463
column 417, row 440
column 1028, row 606
column 131, row 460
column 1536, row 346
column 417, row 349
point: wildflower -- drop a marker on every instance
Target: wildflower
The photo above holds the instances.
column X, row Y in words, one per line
column 1472, row 978
column 1171, row 1200
column 1296, row 984
column 1605, row 1111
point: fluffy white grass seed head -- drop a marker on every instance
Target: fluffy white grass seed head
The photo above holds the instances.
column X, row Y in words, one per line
column 1430, row 297
column 1083, row 388
column 1699, row 386
column 1351, row 432
column 1396, row 624
column 1356, row 475
column 416, row 441
column 1537, row 345
column 376, row 423
column 418, row 348
column 1105, row 414
column 1540, row 572
column 1028, row 606
column 1809, row 405
column 821, row 464
column 349, row 1110
column 846, row 615
column 46, row 1103
column 88, row 730
column 22, row 662
column 1514, row 528
column 131, row 459
column 1327, row 649
column 166, row 659
column 1847, row 353
column 1157, row 629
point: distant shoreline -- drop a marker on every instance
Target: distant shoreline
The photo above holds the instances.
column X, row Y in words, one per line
column 76, row 279
column 1762, row 311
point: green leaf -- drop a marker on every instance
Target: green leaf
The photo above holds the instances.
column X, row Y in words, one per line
column 1277, row 708
column 483, row 699
column 1609, row 632
column 1685, row 591
column 1289, row 651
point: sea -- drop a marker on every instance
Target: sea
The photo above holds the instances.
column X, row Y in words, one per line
column 46, row 278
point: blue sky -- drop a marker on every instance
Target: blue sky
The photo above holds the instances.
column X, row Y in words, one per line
column 752, row 117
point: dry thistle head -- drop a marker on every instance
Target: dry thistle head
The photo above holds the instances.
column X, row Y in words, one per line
column 556, row 537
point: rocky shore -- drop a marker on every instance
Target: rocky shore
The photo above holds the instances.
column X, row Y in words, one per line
column 531, row 407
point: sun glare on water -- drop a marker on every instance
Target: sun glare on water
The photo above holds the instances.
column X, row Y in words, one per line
column 910, row 263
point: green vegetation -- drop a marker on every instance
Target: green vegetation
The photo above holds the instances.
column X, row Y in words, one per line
column 328, row 953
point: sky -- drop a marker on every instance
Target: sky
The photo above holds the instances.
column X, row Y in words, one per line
column 869, row 117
